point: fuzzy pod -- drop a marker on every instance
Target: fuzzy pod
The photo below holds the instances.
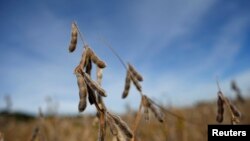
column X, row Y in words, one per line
column 220, row 108
column 121, row 137
column 93, row 85
column 85, row 60
column 88, row 67
column 97, row 60
column 82, row 105
column 91, row 93
column 148, row 103
column 235, row 111
column 82, row 92
column 99, row 72
column 122, row 126
column 237, row 91
column 73, row 40
column 156, row 112
column 136, row 83
column 135, row 73
column 127, row 85
column 112, row 125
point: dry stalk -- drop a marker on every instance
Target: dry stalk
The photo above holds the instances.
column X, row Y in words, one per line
column 34, row 134
column 81, row 35
column 102, row 127
column 38, row 130
column 137, row 119
column 146, row 104
column 108, row 45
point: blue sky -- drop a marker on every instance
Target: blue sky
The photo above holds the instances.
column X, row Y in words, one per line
column 178, row 46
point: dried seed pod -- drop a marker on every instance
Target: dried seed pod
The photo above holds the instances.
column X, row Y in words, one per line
column 96, row 59
column 73, row 41
column 82, row 92
column 235, row 111
column 93, row 85
column 122, row 126
column 219, row 118
column 135, row 73
column 148, row 103
column 112, row 126
column 88, row 67
column 85, row 59
column 237, row 91
column 136, row 83
column 120, row 136
column 91, row 93
column 82, row 105
column 99, row 75
column 156, row 112
column 220, row 106
column 127, row 85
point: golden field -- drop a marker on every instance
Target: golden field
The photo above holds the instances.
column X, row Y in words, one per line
column 180, row 124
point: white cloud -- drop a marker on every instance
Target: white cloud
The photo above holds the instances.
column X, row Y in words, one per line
column 159, row 23
column 226, row 47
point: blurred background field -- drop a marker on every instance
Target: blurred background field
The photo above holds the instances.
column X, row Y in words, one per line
column 181, row 124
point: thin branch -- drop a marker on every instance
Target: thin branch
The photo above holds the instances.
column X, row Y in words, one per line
column 114, row 52
column 81, row 35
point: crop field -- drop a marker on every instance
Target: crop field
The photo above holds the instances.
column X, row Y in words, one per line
column 185, row 125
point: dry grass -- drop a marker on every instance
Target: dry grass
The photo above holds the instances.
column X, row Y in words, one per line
column 191, row 125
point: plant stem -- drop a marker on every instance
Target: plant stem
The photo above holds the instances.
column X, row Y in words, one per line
column 137, row 120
